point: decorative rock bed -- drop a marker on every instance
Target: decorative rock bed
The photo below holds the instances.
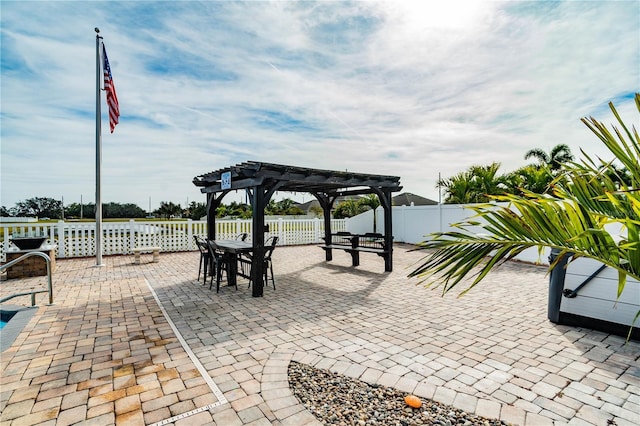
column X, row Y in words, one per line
column 335, row 399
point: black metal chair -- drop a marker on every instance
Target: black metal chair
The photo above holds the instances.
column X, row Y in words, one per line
column 268, row 264
column 220, row 264
column 241, row 237
column 269, row 246
column 205, row 258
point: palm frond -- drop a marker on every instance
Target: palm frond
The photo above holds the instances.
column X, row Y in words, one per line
column 574, row 219
column 585, row 199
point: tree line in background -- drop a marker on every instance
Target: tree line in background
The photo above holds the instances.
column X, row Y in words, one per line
column 479, row 184
column 49, row 208
column 44, row 207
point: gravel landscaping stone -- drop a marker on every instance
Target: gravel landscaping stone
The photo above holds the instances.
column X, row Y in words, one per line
column 335, row 399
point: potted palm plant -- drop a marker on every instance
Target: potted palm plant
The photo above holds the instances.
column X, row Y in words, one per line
column 587, row 198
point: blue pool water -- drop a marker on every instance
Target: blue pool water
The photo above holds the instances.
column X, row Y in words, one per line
column 5, row 317
column 12, row 320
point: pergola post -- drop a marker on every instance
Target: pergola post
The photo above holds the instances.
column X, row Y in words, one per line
column 385, row 200
column 257, row 261
column 326, row 203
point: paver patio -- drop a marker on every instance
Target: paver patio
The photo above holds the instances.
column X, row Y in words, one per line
column 105, row 353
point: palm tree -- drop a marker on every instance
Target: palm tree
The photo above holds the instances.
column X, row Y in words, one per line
column 458, row 189
column 474, row 185
column 529, row 178
column 373, row 202
column 487, row 181
column 347, row 208
column 559, row 154
column 316, row 211
column 168, row 209
column 572, row 219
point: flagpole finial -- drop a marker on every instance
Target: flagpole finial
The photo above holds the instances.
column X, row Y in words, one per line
column 97, row 30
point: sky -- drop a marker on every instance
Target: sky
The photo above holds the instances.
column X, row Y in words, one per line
column 404, row 88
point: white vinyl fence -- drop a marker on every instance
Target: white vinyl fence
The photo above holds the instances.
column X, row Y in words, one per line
column 77, row 239
column 414, row 224
column 411, row 224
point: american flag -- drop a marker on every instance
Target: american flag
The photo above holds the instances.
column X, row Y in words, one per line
column 112, row 98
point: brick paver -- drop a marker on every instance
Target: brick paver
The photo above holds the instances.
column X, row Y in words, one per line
column 96, row 353
column 105, row 354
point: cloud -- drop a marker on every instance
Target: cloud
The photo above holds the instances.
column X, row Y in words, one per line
column 396, row 88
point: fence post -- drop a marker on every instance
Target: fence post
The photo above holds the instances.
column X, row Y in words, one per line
column 4, row 245
column 132, row 235
column 280, row 232
column 190, row 234
column 403, row 219
column 316, row 229
column 61, row 240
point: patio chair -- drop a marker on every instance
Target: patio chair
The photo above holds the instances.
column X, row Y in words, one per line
column 269, row 246
column 268, row 264
column 241, row 237
column 220, row 264
column 205, row 258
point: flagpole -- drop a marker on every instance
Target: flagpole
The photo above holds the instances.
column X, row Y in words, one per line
column 98, row 208
column 439, row 202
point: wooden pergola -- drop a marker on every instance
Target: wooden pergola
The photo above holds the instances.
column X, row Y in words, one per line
column 261, row 180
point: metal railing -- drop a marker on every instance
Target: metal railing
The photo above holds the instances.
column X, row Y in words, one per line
column 34, row 292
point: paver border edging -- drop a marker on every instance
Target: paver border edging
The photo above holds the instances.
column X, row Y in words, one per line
column 195, row 360
column 275, row 390
column 288, row 410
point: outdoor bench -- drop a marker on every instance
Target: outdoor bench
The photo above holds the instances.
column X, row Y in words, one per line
column 354, row 244
column 339, row 240
column 138, row 250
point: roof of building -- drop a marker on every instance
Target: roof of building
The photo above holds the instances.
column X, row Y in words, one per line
column 407, row 199
column 314, row 203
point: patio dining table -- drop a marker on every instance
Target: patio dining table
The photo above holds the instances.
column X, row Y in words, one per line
column 232, row 249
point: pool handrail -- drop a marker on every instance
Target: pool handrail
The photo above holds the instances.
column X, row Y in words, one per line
column 32, row 293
